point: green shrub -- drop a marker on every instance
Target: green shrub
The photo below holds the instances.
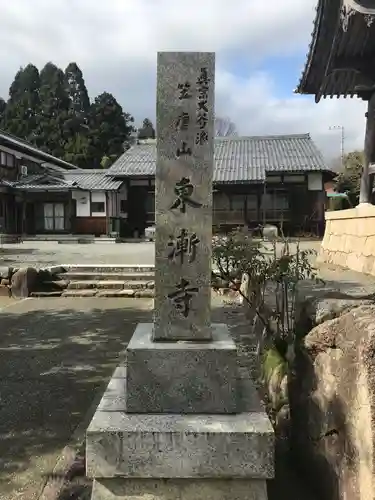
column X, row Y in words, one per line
column 277, row 270
column 336, row 203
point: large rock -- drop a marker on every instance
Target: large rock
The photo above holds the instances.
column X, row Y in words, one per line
column 55, row 270
column 24, row 282
column 332, row 400
column 6, row 272
column 322, row 308
column 270, row 232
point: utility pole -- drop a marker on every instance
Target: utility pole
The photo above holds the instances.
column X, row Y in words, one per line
column 342, row 148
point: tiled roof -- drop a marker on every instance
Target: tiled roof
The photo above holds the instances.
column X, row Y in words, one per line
column 90, row 180
column 93, row 180
column 19, row 144
column 331, row 67
column 41, row 182
column 237, row 159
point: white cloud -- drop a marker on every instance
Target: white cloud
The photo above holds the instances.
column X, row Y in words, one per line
column 115, row 44
column 255, row 110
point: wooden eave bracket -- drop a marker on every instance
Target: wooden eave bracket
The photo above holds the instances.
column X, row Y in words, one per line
column 351, row 7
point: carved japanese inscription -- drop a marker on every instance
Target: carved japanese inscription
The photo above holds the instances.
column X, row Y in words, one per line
column 202, row 106
column 184, row 196
column 182, row 296
column 183, row 121
column 183, row 191
column 183, row 246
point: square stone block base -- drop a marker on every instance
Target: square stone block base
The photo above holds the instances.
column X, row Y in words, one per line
column 179, row 489
column 138, row 446
column 181, row 376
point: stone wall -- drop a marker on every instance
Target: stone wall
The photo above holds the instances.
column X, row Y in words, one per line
column 322, row 399
column 349, row 239
column 332, row 405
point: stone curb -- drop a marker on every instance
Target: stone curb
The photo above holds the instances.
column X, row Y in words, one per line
column 53, row 486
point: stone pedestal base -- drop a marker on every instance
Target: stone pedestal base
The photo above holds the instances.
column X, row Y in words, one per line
column 179, row 489
column 181, row 377
column 191, row 447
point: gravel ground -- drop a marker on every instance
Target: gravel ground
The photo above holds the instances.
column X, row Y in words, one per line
column 47, row 253
column 56, row 357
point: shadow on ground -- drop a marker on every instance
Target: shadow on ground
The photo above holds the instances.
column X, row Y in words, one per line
column 56, row 357
column 19, row 251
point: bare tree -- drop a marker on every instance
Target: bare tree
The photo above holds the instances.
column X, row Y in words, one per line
column 224, row 127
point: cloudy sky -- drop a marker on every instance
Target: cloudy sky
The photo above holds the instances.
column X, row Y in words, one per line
column 260, row 50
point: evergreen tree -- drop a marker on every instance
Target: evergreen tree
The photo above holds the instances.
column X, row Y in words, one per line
column 76, row 124
column 77, row 91
column 53, row 111
column 147, row 130
column 20, row 117
column 349, row 178
column 106, row 162
column 76, row 151
column 3, row 106
column 110, row 127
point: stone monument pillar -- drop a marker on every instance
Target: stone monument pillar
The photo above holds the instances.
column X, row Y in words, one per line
column 177, row 421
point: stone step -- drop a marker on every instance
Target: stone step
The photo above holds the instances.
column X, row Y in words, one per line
column 110, row 276
column 47, row 294
column 110, row 285
column 146, row 293
column 56, row 285
column 109, row 268
column 79, row 293
column 94, row 292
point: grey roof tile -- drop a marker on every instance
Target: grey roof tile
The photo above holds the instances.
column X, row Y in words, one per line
column 237, row 159
column 90, row 180
column 41, row 181
column 93, row 180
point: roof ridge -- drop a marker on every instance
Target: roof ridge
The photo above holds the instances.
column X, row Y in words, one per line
column 237, row 158
column 49, row 158
column 86, row 171
column 19, row 139
column 263, row 136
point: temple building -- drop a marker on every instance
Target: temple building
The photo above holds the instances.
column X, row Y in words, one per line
column 257, row 180
column 340, row 63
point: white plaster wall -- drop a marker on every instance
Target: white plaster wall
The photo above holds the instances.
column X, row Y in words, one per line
column 315, row 181
column 98, row 197
column 82, row 203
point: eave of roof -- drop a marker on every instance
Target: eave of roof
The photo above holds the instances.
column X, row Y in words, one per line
column 42, row 182
column 94, row 180
column 237, row 159
column 26, row 147
column 341, row 36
